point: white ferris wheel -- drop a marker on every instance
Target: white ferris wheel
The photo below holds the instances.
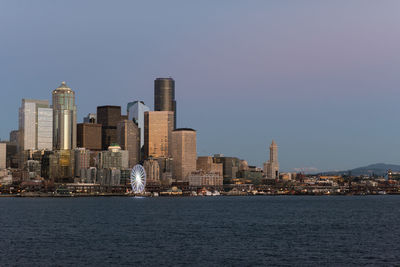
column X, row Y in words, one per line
column 138, row 179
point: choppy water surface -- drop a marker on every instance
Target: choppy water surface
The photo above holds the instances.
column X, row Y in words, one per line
column 238, row 231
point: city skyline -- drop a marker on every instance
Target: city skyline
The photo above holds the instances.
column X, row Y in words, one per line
column 329, row 102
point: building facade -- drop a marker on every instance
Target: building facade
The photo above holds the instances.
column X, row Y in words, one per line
column 183, row 152
column 207, row 164
column 64, row 118
column 205, row 179
column 158, row 126
column 271, row 167
column 35, row 125
column 152, row 169
column 3, row 155
column 136, row 112
column 164, row 96
column 89, row 136
column 128, row 137
column 108, row 117
column 114, row 157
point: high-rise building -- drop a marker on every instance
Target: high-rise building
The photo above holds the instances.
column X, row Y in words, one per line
column 35, row 125
column 3, row 157
column 152, row 170
column 183, row 151
column 207, row 164
column 136, row 112
column 230, row 166
column 82, row 161
column 108, row 117
column 64, row 118
column 158, row 126
column 128, row 139
column 164, row 96
column 89, row 136
column 271, row 167
column 114, row 157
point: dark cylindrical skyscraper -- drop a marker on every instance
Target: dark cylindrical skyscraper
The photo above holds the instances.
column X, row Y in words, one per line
column 164, row 96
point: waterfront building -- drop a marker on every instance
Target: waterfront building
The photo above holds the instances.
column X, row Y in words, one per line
column 251, row 174
column 89, row 136
column 152, row 169
column 35, row 125
column 114, row 157
column 3, row 155
column 88, row 175
column 164, row 96
column 58, row 166
column 90, row 118
column 183, row 152
column 82, row 160
column 136, row 112
column 111, row 176
column 230, row 166
column 207, row 164
column 64, row 118
column 108, row 117
column 128, row 137
column 271, row 167
column 205, row 179
column 158, row 126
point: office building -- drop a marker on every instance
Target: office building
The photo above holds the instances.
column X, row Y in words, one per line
column 271, row 167
column 89, row 136
column 128, row 137
column 158, row 126
column 136, row 112
column 152, row 169
column 35, row 125
column 207, row 164
column 3, row 155
column 64, row 118
column 108, row 117
column 114, row 157
column 164, row 96
column 230, row 166
column 205, row 179
column 58, row 166
column 183, row 152
column 82, row 160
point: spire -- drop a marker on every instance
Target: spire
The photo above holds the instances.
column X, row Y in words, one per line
column 273, row 143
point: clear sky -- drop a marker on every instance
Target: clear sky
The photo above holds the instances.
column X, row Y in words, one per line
column 321, row 78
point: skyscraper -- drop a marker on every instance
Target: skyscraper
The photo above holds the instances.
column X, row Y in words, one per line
column 271, row 167
column 184, row 154
column 128, row 139
column 136, row 111
column 108, row 117
column 35, row 125
column 158, row 126
column 89, row 135
column 3, row 151
column 164, row 96
column 64, row 118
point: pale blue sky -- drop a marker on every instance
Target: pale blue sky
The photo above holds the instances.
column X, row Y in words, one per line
column 322, row 78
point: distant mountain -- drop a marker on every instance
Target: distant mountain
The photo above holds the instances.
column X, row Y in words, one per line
column 378, row 169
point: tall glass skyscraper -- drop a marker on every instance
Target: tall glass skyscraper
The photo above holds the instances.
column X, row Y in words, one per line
column 64, row 118
column 164, row 96
column 136, row 111
column 35, row 125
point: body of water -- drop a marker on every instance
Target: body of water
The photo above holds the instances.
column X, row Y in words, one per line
column 207, row 231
